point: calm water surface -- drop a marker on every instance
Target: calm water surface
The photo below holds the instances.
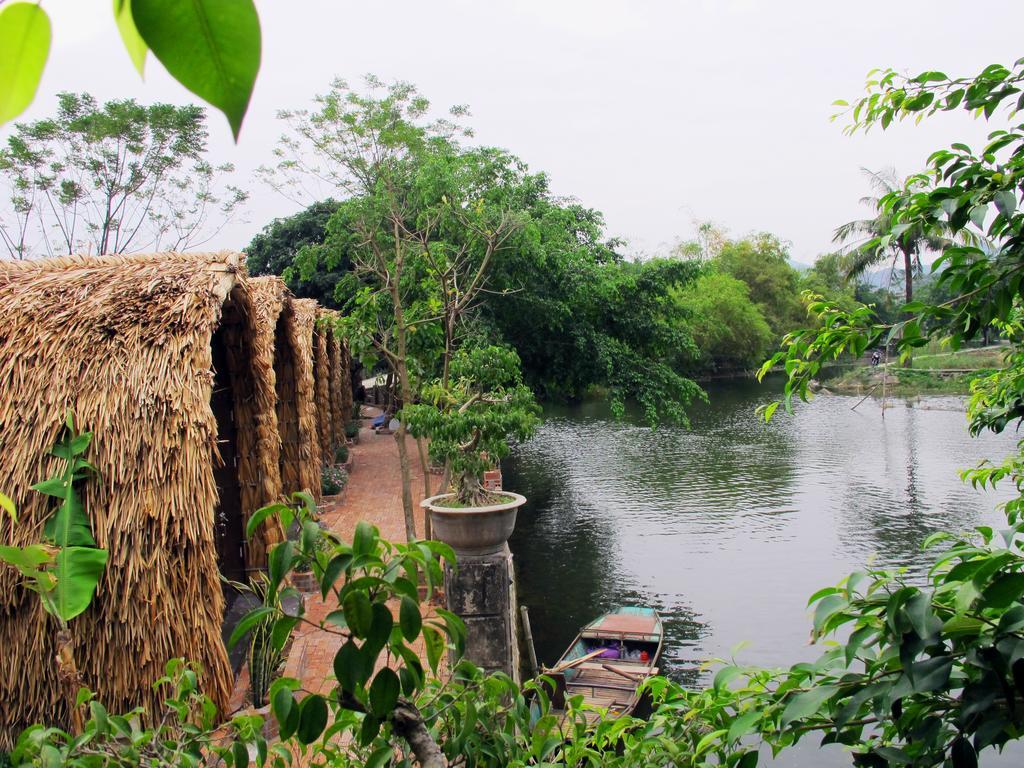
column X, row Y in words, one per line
column 729, row 527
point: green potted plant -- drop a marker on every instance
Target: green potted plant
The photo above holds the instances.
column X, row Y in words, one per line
column 469, row 424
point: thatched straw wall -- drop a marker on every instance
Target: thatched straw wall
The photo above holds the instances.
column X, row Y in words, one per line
column 322, row 378
column 308, row 457
column 346, row 385
column 339, row 381
column 124, row 342
column 266, row 402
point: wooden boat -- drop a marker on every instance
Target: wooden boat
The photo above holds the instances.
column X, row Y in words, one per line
column 610, row 658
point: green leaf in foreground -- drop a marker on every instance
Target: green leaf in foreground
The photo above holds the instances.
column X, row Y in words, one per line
column 212, row 47
column 25, row 45
column 133, row 41
column 807, row 703
column 7, row 505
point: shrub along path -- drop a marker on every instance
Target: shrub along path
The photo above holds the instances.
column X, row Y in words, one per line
column 374, row 494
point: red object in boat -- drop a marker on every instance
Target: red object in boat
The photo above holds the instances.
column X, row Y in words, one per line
column 645, row 656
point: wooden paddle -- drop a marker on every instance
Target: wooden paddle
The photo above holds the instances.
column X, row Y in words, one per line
column 576, row 662
column 634, row 676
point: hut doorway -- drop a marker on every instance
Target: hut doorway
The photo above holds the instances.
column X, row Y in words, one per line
column 228, row 519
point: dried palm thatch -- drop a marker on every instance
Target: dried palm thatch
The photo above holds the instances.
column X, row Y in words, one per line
column 128, row 344
column 322, row 379
column 346, row 384
column 338, row 383
column 301, row 459
column 266, row 401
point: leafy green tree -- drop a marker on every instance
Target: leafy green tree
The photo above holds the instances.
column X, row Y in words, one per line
column 904, row 245
column 112, row 179
column 276, row 251
column 762, row 262
column 929, row 675
column 421, row 223
column 471, row 414
column 727, row 327
column 582, row 318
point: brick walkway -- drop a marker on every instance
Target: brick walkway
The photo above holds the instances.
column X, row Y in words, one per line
column 374, row 494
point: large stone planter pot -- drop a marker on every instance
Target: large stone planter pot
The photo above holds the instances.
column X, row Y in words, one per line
column 473, row 530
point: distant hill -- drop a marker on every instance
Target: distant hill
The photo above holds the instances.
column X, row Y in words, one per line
column 883, row 277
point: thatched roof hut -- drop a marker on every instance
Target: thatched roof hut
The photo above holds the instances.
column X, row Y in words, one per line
column 322, row 380
column 296, row 398
column 161, row 357
column 340, row 384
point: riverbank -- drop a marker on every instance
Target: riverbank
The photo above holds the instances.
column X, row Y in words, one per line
column 949, row 373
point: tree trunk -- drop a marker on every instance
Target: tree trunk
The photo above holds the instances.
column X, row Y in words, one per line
column 70, row 677
column 406, row 391
column 908, row 278
column 408, row 724
column 425, row 466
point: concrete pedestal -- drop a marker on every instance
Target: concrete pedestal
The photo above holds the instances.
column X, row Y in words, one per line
column 482, row 594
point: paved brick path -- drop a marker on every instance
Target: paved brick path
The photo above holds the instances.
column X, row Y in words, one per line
column 374, row 494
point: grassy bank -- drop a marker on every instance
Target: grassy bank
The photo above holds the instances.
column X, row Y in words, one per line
column 938, row 373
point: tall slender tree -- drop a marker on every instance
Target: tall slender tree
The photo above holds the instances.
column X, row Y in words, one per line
column 861, row 251
column 115, row 178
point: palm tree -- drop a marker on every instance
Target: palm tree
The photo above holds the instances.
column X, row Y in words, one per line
column 908, row 245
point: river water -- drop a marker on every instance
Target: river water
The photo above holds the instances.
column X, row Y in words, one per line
column 728, row 527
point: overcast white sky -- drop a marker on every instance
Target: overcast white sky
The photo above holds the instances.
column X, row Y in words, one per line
column 657, row 113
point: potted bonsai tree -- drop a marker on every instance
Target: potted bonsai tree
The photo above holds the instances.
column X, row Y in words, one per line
column 469, row 424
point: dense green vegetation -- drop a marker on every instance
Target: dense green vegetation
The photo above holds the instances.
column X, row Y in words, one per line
column 914, row 673
column 581, row 316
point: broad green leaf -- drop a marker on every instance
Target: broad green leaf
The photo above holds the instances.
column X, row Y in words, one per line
column 26, row 559
column 24, row 47
column 807, row 703
column 133, row 42
column 930, row 674
column 256, row 518
column 369, row 730
column 1006, row 202
column 280, row 561
column 350, row 667
column 724, row 675
column 827, row 606
column 381, row 624
column 54, row 486
column 384, row 692
column 410, row 619
column 212, row 47
column 434, row 643
column 312, row 718
column 281, row 704
column 69, row 526
column 8, row 506
column 358, row 612
column 380, row 757
column 282, row 631
column 240, row 755
column 362, row 542
column 78, row 571
column 1003, row 591
column 249, row 621
column 743, row 724
column 333, row 570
